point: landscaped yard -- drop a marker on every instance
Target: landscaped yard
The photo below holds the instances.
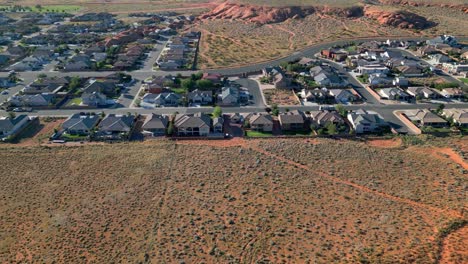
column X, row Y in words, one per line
column 75, row 101
column 73, row 137
column 465, row 80
column 179, row 90
column 251, row 133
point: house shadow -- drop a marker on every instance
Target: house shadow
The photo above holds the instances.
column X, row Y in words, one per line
column 29, row 132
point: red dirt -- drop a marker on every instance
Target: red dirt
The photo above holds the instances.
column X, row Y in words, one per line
column 452, row 155
column 385, row 143
column 455, row 245
column 400, row 19
column 451, row 213
column 251, row 145
column 268, row 14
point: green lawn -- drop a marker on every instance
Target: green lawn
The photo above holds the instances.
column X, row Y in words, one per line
column 252, row 133
column 73, row 137
column 75, row 101
column 179, row 90
column 465, row 80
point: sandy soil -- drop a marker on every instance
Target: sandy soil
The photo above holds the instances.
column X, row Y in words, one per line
column 455, row 245
column 385, row 143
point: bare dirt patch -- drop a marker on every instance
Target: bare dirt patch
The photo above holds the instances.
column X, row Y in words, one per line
column 454, row 249
column 224, row 202
column 385, row 143
column 280, row 97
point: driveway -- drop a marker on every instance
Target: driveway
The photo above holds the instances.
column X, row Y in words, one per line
column 254, row 90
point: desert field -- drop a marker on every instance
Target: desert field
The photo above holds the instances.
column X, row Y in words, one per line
column 237, row 201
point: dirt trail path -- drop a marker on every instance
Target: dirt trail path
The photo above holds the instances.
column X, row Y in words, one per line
column 253, row 146
column 456, row 239
column 451, row 213
column 292, row 35
column 452, row 155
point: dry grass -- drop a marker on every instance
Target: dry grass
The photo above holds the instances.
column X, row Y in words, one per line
column 280, row 97
column 231, row 43
column 241, row 202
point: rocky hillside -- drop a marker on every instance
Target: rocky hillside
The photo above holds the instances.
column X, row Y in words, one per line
column 400, row 19
column 269, row 14
column 257, row 14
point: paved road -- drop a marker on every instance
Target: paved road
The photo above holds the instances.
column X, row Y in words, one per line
column 153, row 56
column 254, row 90
column 354, row 83
column 385, row 110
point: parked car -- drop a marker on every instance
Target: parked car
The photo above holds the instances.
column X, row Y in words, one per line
column 22, row 109
column 5, row 92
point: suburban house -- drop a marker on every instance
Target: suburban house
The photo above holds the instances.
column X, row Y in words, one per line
column 37, row 100
column 452, row 93
column 317, row 95
column 10, row 126
column 455, row 68
column 422, row 92
column 293, row 120
column 261, row 122
column 155, row 125
column 324, row 117
column 439, row 59
column 364, row 121
column 344, row 96
column 197, row 125
column 411, row 71
column 78, row 124
column 47, row 85
column 394, row 94
column 231, row 96
column 380, row 79
column 104, row 87
column 213, row 77
column 372, row 68
column 94, row 99
column 200, row 97
column 443, row 39
column 324, row 75
column 162, row 100
column 115, row 126
column 459, row 116
column 424, row 117
column 218, row 125
column 277, row 76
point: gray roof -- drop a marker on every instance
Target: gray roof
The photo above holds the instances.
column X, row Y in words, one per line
column 80, row 122
column 294, row 117
column 8, row 123
column 102, row 87
column 362, row 116
column 196, row 120
column 121, row 123
column 259, row 119
column 323, row 117
column 155, row 121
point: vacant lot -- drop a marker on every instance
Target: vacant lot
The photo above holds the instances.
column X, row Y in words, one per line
column 234, row 201
column 280, row 97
